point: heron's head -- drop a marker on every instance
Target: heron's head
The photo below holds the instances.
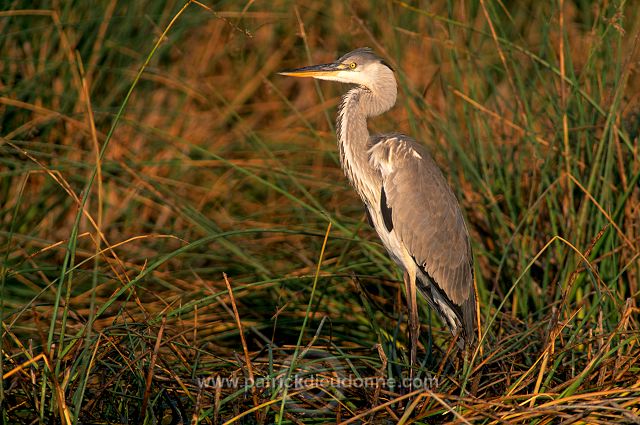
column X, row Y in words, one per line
column 361, row 66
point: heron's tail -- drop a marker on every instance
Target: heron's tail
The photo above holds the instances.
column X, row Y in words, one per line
column 460, row 318
column 469, row 321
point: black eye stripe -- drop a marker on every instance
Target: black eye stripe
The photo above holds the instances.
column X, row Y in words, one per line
column 385, row 63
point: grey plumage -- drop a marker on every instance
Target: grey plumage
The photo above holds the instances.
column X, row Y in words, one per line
column 407, row 198
column 427, row 219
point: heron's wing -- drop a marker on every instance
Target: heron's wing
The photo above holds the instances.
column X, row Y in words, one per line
column 418, row 204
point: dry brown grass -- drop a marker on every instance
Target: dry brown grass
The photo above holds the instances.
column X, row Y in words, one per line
column 216, row 165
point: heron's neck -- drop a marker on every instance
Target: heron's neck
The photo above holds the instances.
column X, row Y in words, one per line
column 353, row 137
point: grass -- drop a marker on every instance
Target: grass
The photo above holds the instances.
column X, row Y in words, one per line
column 177, row 237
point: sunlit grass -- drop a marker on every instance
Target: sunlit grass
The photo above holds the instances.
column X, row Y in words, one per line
column 121, row 213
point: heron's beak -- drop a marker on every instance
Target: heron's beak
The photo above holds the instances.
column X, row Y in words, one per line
column 316, row 71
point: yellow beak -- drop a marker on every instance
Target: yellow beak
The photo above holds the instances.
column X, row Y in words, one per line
column 316, row 71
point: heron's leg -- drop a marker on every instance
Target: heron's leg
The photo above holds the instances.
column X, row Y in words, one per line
column 414, row 324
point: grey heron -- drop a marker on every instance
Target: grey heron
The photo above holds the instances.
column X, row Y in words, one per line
column 407, row 199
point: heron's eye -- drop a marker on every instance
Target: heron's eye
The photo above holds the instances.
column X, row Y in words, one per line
column 353, row 65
